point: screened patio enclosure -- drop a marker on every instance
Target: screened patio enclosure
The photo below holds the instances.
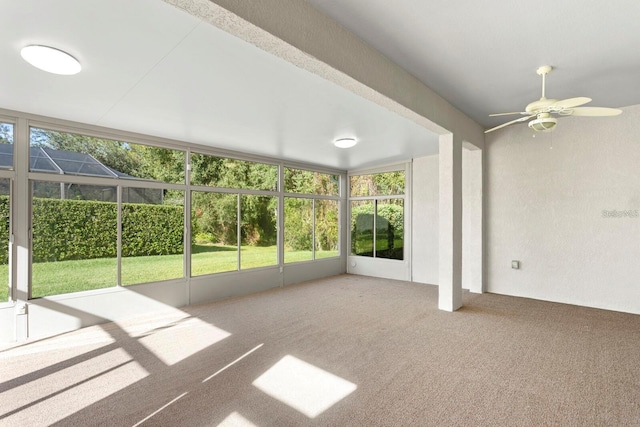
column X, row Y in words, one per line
column 42, row 159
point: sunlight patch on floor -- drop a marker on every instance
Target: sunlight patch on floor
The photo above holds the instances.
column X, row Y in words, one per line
column 176, row 342
column 64, row 392
column 236, row 420
column 303, row 386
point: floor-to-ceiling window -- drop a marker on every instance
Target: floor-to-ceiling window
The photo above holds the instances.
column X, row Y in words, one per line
column 101, row 209
column 6, row 173
column 234, row 214
column 97, row 223
column 104, row 212
column 377, row 214
column 311, row 215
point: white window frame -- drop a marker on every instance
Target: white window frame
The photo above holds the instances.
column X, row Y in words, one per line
column 374, row 266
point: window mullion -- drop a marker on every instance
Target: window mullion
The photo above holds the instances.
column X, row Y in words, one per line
column 313, row 229
column 375, row 227
column 239, row 229
column 119, row 238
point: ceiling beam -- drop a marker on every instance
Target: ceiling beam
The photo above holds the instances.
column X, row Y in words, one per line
column 297, row 32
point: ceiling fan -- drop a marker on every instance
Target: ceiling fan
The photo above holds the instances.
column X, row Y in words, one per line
column 543, row 109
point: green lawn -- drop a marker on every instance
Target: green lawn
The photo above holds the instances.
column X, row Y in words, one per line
column 51, row 278
column 363, row 245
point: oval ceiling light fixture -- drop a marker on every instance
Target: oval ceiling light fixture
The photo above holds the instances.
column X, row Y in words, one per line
column 345, row 142
column 51, row 60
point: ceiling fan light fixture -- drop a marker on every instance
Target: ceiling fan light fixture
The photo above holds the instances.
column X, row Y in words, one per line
column 345, row 142
column 544, row 124
column 51, row 60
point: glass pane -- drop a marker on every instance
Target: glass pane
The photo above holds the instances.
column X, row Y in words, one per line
column 214, row 229
column 60, row 190
column 74, row 239
column 259, row 239
column 298, row 229
column 379, row 184
column 73, row 154
column 308, row 182
column 327, row 221
column 6, row 146
column 390, row 229
column 362, row 227
column 231, row 173
column 5, row 282
column 152, row 235
column 40, row 162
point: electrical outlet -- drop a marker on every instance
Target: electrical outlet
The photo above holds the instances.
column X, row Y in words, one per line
column 515, row 265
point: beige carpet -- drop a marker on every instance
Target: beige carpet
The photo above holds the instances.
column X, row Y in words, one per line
column 343, row 351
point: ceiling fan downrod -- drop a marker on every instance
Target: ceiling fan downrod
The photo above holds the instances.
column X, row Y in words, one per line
column 543, row 71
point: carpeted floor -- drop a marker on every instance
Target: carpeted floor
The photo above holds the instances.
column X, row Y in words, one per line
column 348, row 350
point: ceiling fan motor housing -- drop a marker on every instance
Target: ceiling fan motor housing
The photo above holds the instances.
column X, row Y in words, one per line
column 540, row 105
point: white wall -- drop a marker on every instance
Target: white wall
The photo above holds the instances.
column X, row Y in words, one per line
column 545, row 198
column 7, row 320
column 472, row 220
column 424, row 234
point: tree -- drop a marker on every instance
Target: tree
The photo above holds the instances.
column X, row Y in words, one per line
column 309, row 182
column 160, row 164
column 115, row 154
column 214, row 215
column 388, row 183
column 6, row 133
column 217, row 215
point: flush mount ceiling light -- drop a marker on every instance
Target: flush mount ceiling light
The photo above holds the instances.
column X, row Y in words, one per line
column 345, row 142
column 51, row 60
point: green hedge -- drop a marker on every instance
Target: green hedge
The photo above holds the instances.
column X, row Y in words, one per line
column 4, row 230
column 79, row 229
column 390, row 223
column 152, row 229
column 393, row 214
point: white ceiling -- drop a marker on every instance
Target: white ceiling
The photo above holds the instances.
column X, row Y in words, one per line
column 481, row 56
column 151, row 68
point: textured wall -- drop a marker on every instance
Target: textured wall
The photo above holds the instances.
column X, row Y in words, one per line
column 424, row 232
column 472, row 220
column 545, row 203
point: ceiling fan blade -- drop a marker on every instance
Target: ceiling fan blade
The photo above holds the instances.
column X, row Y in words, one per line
column 594, row 111
column 570, row 103
column 521, row 119
column 507, row 114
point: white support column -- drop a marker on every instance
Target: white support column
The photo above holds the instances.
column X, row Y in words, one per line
column 472, row 219
column 450, row 223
